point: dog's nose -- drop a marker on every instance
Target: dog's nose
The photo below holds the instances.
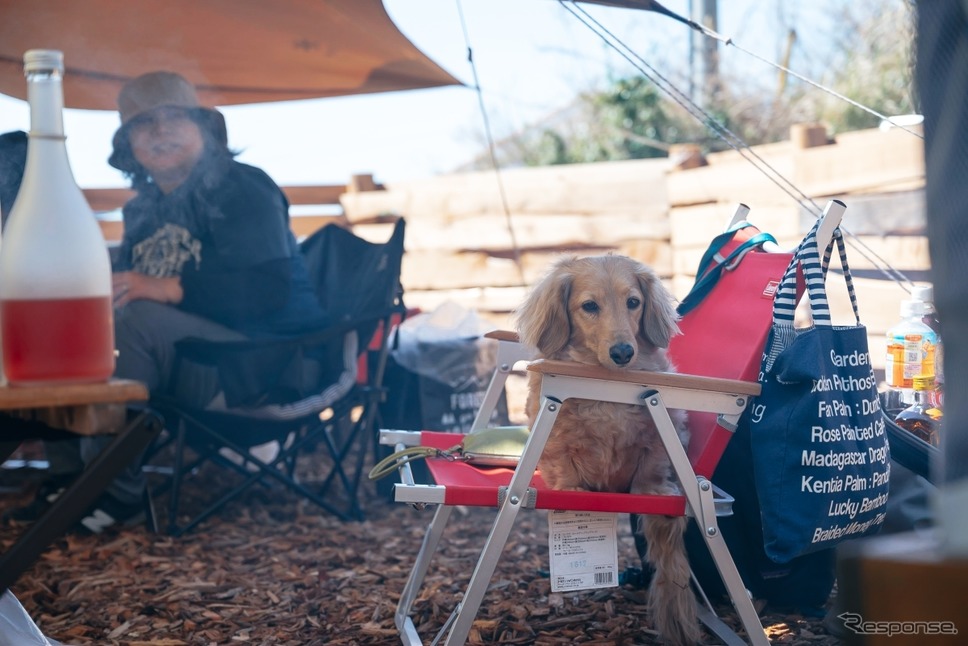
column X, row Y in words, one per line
column 621, row 353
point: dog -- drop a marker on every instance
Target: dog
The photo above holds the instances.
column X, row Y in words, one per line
column 612, row 311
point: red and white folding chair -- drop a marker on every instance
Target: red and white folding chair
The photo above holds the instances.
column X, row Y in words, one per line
column 718, row 357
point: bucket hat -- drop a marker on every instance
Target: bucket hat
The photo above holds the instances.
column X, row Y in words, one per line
column 155, row 90
column 161, row 89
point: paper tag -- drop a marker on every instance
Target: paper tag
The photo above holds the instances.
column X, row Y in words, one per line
column 583, row 550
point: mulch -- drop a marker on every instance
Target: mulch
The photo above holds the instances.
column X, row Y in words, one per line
column 270, row 569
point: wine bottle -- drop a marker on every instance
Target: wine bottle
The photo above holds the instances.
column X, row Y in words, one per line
column 56, row 317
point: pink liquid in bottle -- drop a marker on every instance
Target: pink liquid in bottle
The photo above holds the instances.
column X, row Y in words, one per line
column 57, row 340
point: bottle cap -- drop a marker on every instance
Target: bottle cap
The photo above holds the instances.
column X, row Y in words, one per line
column 923, row 382
column 923, row 293
column 916, row 308
column 41, row 60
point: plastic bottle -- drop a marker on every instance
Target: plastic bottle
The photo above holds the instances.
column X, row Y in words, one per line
column 910, row 350
column 921, row 418
column 55, row 273
column 925, row 293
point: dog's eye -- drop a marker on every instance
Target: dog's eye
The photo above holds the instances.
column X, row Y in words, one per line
column 632, row 303
column 590, row 306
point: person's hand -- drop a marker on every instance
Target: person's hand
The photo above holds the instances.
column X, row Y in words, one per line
column 130, row 286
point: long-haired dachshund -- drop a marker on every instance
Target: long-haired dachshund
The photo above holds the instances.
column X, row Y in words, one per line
column 613, row 311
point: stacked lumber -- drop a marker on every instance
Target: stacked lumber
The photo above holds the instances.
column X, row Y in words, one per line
column 480, row 238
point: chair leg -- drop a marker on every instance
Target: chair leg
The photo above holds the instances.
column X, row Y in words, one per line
column 339, row 453
column 467, row 609
column 270, row 469
column 151, row 517
column 174, row 497
column 733, row 582
column 367, row 429
column 699, row 494
column 428, row 548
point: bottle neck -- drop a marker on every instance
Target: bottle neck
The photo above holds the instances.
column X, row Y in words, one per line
column 922, row 396
column 47, row 178
column 46, row 97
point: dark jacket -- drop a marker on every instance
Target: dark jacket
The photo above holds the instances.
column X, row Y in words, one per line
column 225, row 231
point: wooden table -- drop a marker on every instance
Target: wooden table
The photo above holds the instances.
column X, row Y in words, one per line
column 902, row 590
column 139, row 429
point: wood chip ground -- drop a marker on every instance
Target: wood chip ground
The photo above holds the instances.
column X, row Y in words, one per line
column 272, row 570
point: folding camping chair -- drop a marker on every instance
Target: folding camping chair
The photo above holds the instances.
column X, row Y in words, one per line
column 718, row 357
column 358, row 282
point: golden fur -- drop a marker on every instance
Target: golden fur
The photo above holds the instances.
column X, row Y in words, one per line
column 613, row 311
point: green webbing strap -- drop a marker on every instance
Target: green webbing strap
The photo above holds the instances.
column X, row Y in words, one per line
column 493, row 446
column 707, row 276
column 392, row 462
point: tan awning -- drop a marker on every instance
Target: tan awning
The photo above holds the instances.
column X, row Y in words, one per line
column 235, row 51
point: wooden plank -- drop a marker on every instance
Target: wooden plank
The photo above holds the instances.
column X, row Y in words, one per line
column 113, row 391
column 442, row 269
column 110, row 199
column 430, row 270
column 730, row 178
column 484, row 299
column 489, row 232
column 680, row 285
column 865, row 161
column 107, row 199
column 112, row 230
column 879, row 302
column 658, row 254
column 632, row 186
column 905, row 253
column 314, row 194
column 306, row 225
column 901, row 212
column 662, row 379
column 301, row 225
column 697, row 225
column 868, row 161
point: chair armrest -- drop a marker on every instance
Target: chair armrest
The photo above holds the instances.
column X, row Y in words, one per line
column 673, row 379
column 510, row 351
column 255, row 372
column 209, row 352
column 503, row 335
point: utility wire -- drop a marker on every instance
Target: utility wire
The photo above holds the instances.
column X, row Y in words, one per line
column 729, row 41
column 733, row 140
column 680, row 97
column 515, row 249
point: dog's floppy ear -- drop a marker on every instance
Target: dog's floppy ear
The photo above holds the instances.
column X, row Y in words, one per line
column 542, row 319
column 658, row 316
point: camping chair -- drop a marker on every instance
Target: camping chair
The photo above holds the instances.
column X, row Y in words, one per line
column 358, row 282
column 718, row 356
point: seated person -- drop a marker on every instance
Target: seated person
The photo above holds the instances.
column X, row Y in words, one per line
column 13, row 159
column 207, row 252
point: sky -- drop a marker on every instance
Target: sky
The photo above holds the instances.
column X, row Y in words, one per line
column 531, row 56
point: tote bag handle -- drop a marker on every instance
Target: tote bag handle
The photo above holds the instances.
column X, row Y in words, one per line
column 807, row 257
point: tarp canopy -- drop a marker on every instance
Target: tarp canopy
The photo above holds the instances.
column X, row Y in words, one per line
column 234, row 51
